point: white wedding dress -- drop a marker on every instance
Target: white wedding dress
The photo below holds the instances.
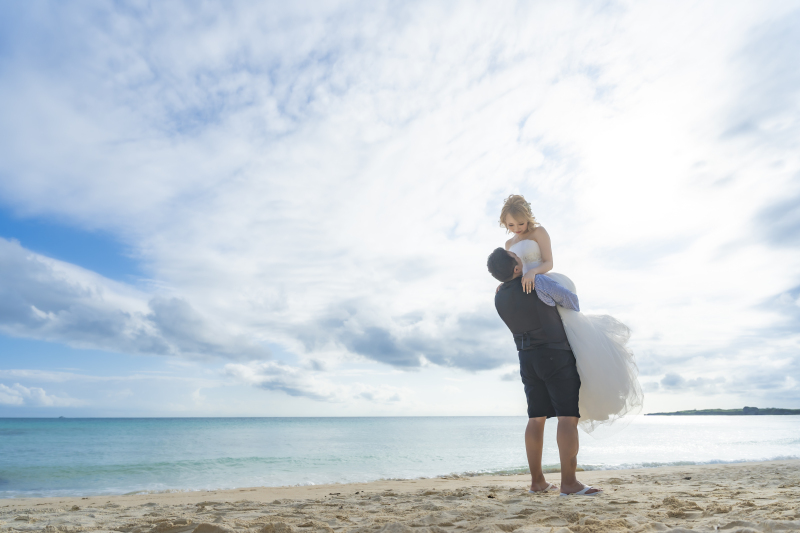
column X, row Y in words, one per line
column 609, row 376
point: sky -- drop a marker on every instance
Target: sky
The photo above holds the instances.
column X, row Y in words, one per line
column 285, row 209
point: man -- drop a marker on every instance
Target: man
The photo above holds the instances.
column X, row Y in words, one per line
column 548, row 371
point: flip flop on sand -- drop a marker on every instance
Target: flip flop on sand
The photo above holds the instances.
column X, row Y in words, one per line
column 583, row 492
column 549, row 487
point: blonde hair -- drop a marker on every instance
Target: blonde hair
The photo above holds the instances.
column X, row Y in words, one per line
column 516, row 206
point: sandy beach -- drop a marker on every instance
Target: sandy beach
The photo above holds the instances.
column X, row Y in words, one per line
column 740, row 497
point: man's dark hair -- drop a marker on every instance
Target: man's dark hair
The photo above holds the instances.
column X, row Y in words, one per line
column 501, row 265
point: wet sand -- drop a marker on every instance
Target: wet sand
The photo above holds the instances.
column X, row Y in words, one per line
column 736, row 498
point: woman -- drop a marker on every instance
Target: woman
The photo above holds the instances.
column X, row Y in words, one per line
column 609, row 376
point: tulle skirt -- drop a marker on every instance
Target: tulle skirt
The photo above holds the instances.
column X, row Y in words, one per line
column 609, row 377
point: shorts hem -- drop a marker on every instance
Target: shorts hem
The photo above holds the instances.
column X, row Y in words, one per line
column 552, row 415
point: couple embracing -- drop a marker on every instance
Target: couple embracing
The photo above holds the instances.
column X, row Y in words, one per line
column 573, row 366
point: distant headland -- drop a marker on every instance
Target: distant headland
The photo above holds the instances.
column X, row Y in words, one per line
column 732, row 412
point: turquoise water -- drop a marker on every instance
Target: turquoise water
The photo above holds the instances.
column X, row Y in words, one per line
column 50, row 457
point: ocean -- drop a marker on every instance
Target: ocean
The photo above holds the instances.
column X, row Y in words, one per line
column 82, row 457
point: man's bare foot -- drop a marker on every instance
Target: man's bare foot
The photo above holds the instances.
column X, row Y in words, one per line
column 579, row 487
column 542, row 486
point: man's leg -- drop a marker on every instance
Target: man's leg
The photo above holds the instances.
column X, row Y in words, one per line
column 567, row 439
column 539, row 409
column 563, row 385
column 534, row 442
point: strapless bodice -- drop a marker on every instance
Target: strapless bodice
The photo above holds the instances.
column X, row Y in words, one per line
column 529, row 252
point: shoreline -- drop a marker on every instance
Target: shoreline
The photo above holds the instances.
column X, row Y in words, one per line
column 551, row 474
column 740, row 497
column 450, row 482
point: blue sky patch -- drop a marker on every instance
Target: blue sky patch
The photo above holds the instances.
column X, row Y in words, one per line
column 92, row 250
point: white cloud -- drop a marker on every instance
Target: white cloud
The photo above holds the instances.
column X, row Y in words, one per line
column 303, row 383
column 328, row 181
column 198, row 398
column 52, row 300
column 18, row 395
column 33, row 375
column 677, row 383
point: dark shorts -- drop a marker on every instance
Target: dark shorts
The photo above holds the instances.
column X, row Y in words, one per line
column 551, row 382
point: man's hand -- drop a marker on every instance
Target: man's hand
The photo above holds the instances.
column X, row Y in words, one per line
column 528, row 282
